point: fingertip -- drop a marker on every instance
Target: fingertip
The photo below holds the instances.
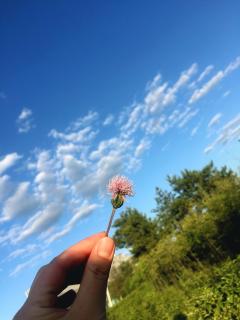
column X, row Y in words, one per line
column 105, row 248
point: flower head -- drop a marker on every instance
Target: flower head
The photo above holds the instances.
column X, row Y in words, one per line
column 119, row 187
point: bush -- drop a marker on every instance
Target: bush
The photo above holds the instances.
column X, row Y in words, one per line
column 220, row 299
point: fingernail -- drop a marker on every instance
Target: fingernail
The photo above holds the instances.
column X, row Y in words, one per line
column 105, row 248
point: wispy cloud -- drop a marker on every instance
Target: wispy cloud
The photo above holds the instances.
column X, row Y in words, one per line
column 6, row 187
column 195, row 130
column 30, row 263
column 83, row 122
column 162, row 95
column 143, row 145
column 199, row 93
column 108, row 120
column 21, row 202
column 22, row 252
column 210, row 84
column 229, row 132
column 188, row 116
column 82, row 135
column 25, row 121
column 226, row 93
column 85, row 210
column 205, row 72
column 8, row 161
column 215, row 120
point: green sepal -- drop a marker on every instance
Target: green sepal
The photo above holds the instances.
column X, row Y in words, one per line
column 118, row 201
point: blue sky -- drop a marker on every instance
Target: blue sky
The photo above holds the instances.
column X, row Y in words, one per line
column 90, row 90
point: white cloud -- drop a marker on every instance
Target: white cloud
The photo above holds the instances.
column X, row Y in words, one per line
column 25, row 113
column 84, row 211
column 40, row 222
column 22, row 252
column 95, row 182
column 25, row 121
column 134, row 120
column 234, row 65
column 47, row 198
column 67, row 148
column 226, row 93
column 6, row 187
column 74, row 169
column 181, row 118
column 103, row 147
column 154, row 99
column 154, row 82
column 189, row 115
column 161, row 96
column 156, row 125
column 205, row 72
column 215, row 120
column 194, row 130
column 47, row 181
column 81, row 136
column 230, row 131
column 21, row 202
column 143, row 145
column 208, row 86
column 30, row 263
column 8, row 161
column 208, row 149
column 83, row 121
column 165, row 147
column 108, row 120
column 199, row 93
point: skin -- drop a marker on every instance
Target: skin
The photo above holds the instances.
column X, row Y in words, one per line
column 88, row 262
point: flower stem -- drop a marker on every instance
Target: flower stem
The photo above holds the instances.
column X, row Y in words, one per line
column 110, row 221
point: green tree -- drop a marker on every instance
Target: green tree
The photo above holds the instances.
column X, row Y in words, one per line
column 187, row 192
column 135, row 231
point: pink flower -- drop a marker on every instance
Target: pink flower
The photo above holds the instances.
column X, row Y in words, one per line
column 120, row 185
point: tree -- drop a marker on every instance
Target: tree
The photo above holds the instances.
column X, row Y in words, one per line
column 187, row 192
column 135, row 231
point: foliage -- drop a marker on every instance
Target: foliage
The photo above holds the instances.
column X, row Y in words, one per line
column 188, row 191
column 187, row 260
column 135, row 231
column 145, row 303
column 119, row 280
column 220, row 300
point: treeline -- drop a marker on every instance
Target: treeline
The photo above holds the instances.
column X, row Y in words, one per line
column 185, row 262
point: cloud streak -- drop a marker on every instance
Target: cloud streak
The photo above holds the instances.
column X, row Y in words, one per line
column 210, row 84
column 229, row 132
column 8, row 161
column 215, row 120
column 25, row 121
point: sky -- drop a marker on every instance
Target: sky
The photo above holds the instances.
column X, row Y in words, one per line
column 91, row 90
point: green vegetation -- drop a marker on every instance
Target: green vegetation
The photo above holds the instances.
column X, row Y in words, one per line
column 186, row 261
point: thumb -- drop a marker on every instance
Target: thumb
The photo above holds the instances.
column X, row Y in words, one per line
column 91, row 299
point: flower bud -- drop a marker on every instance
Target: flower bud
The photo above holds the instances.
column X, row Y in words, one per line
column 118, row 201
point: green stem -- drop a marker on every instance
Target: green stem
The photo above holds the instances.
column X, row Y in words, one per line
column 110, row 221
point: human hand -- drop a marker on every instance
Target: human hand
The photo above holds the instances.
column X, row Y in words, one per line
column 88, row 262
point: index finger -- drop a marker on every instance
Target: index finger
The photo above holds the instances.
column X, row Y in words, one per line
column 52, row 278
